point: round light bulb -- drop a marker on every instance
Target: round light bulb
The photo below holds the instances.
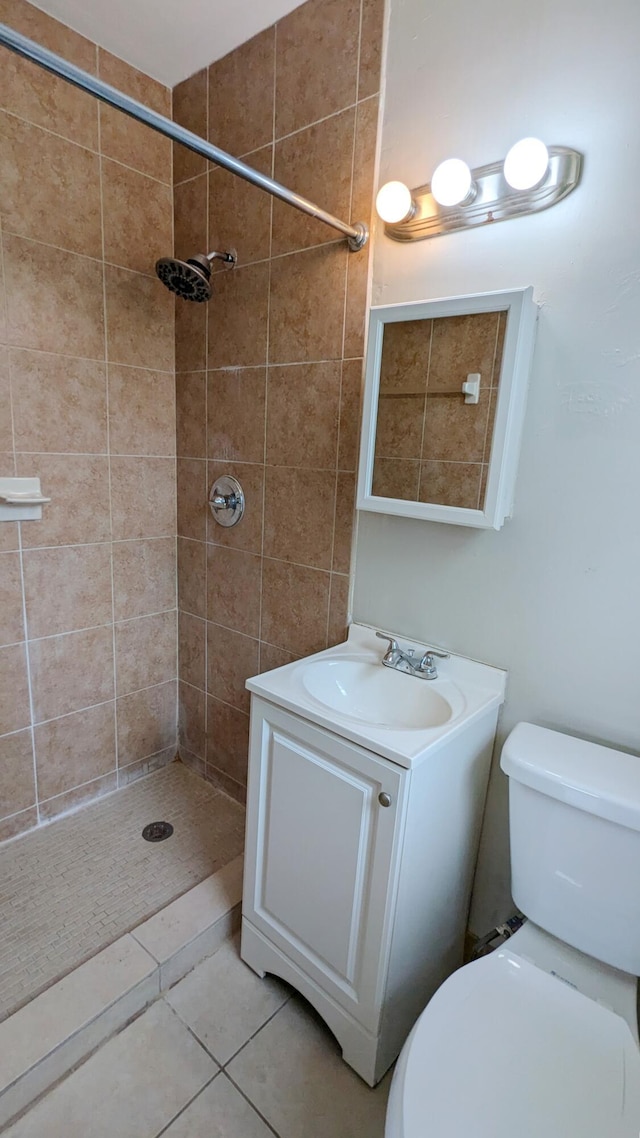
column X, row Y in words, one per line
column 526, row 164
column 394, row 202
column 451, row 182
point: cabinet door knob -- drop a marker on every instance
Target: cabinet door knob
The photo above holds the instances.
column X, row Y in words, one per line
column 384, row 799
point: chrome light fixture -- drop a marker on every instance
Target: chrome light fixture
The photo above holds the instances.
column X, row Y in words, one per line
column 531, row 178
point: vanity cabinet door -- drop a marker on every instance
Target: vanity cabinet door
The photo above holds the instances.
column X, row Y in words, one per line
column 322, row 854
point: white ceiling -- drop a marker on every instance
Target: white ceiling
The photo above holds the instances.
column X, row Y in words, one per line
column 168, row 39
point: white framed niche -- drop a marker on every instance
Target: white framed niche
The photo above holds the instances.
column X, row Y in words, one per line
column 445, row 397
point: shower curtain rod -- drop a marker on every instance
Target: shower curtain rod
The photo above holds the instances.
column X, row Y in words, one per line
column 357, row 234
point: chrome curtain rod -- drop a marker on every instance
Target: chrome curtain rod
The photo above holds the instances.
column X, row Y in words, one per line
column 357, row 234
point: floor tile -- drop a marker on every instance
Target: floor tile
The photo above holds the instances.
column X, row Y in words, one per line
column 132, row 1087
column 225, row 1003
column 219, row 1112
column 293, row 1073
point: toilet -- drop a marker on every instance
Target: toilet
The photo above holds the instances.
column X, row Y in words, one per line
column 540, row 1038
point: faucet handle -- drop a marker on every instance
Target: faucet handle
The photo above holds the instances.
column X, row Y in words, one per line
column 436, row 652
column 393, row 644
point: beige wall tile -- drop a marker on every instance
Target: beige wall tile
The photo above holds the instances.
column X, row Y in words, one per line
column 62, row 207
column 71, row 672
column 237, row 327
column 146, row 722
column 192, row 720
column 239, row 213
column 36, row 95
column 247, row 534
column 370, row 47
column 75, row 749
column 190, row 109
column 302, row 532
column 241, row 96
column 142, row 411
column 399, row 426
column 121, row 137
column 190, row 219
column 64, row 310
column 227, row 739
column 307, row 305
column 18, row 824
column 364, row 169
column 356, row 305
column 272, row 657
column 406, row 350
column 11, row 622
column 14, row 690
column 192, row 576
column 236, row 414
column 192, row 649
column 316, row 62
column 193, row 505
column 344, row 519
column 139, row 320
column 144, row 577
column 455, row 430
column 191, row 417
column 143, row 497
column 9, row 536
column 59, row 403
column 231, row 658
column 396, row 478
column 338, row 609
column 295, row 607
column 6, row 424
column 302, row 420
column 350, row 409
column 67, row 588
column 78, row 486
column 462, row 344
column 318, row 161
column 54, row 807
column 191, row 336
column 233, row 589
column 17, row 783
column 137, row 218
column 145, row 652
column 450, row 483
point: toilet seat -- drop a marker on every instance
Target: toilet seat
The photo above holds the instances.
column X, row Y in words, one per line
column 502, row 1048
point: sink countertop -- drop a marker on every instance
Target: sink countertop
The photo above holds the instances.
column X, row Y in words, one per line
column 482, row 687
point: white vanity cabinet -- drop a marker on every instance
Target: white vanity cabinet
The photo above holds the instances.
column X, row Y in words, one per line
column 358, row 869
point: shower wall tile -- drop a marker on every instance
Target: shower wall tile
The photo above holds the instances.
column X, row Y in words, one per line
column 190, row 225
column 87, row 362
column 236, row 401
column 316, row 62
column 67, row 588
column 59, row 403
column 75, row 749
column 277, row 585
column 238, row 321
column 37, row 96
column 144, row 578
column 17, row 783
column 78, row 487
column 145, row 652
column 64, row 308
column 241, row 96
column 142, row 411
column 139, row 315
column 239, row 213
column 191, row 414
column 190, row 109
column 192, row 498
column 137, row 217
column 146, row 722
column 318, row 161
column 11, row 620
column 29, row 199
column 121, row 137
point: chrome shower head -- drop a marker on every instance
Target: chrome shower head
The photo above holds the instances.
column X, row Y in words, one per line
column 191, row 280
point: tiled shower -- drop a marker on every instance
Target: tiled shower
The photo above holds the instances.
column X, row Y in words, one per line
column 267, row 387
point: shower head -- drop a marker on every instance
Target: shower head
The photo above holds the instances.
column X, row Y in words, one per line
column 191, row 279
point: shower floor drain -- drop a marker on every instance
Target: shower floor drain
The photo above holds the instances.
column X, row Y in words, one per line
column 157, row 831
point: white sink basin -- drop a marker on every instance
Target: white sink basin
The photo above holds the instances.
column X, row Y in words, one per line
column 370, row 693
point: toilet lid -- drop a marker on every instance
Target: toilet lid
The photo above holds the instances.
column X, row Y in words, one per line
column 505, row 1048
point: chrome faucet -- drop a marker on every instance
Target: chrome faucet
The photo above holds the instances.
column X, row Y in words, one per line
column 395, row 657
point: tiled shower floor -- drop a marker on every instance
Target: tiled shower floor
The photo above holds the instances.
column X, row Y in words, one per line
column 69, row 889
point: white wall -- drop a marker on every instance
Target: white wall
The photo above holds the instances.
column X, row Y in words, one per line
column 554, row 596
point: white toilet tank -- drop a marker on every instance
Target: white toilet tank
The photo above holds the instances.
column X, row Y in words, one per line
column 574, row 818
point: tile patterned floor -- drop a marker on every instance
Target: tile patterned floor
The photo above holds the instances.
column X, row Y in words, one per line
column 223, row 1055
column 69, row 889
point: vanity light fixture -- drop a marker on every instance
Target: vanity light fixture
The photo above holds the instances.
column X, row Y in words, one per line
column 531, row 178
